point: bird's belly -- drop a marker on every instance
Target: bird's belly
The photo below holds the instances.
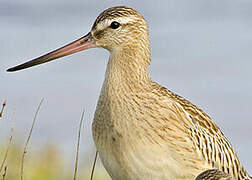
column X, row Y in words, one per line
column 137, row 161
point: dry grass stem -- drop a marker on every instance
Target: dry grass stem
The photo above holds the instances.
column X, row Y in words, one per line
column 3, row 106
column 5, row 172
column 78, row 146
column 93, row 168
column 28, row 139
column 7, row 151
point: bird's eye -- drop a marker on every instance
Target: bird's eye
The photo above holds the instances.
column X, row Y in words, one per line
column 114, row 25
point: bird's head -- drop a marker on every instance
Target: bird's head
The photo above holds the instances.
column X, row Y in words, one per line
column 117, row 27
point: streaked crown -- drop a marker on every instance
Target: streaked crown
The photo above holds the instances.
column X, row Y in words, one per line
column 117, row 26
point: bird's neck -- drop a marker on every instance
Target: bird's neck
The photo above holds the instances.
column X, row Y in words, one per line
column 128, row 68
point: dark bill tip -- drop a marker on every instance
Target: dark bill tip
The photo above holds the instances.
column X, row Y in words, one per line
column 22, row 66
column 11, row 70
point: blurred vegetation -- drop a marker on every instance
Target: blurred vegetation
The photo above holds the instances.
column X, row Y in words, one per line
column 46, row 163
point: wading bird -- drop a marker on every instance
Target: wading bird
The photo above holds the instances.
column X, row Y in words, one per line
column 141, row 129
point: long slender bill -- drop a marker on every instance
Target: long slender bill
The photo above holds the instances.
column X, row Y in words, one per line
column 83, row 43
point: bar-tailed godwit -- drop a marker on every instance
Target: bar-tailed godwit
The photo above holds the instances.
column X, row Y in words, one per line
column 142, row 130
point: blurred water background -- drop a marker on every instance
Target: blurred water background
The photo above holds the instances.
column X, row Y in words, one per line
column 200, row 50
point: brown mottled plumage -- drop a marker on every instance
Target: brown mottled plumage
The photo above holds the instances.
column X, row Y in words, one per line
column 141, row 129
column 214, row 174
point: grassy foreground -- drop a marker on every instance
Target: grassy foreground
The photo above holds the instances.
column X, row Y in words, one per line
column 46, row 162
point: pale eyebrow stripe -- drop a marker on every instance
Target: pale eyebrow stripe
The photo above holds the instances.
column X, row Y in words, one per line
column 104, row 24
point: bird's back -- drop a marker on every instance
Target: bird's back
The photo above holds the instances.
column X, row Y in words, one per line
column 206, row 136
